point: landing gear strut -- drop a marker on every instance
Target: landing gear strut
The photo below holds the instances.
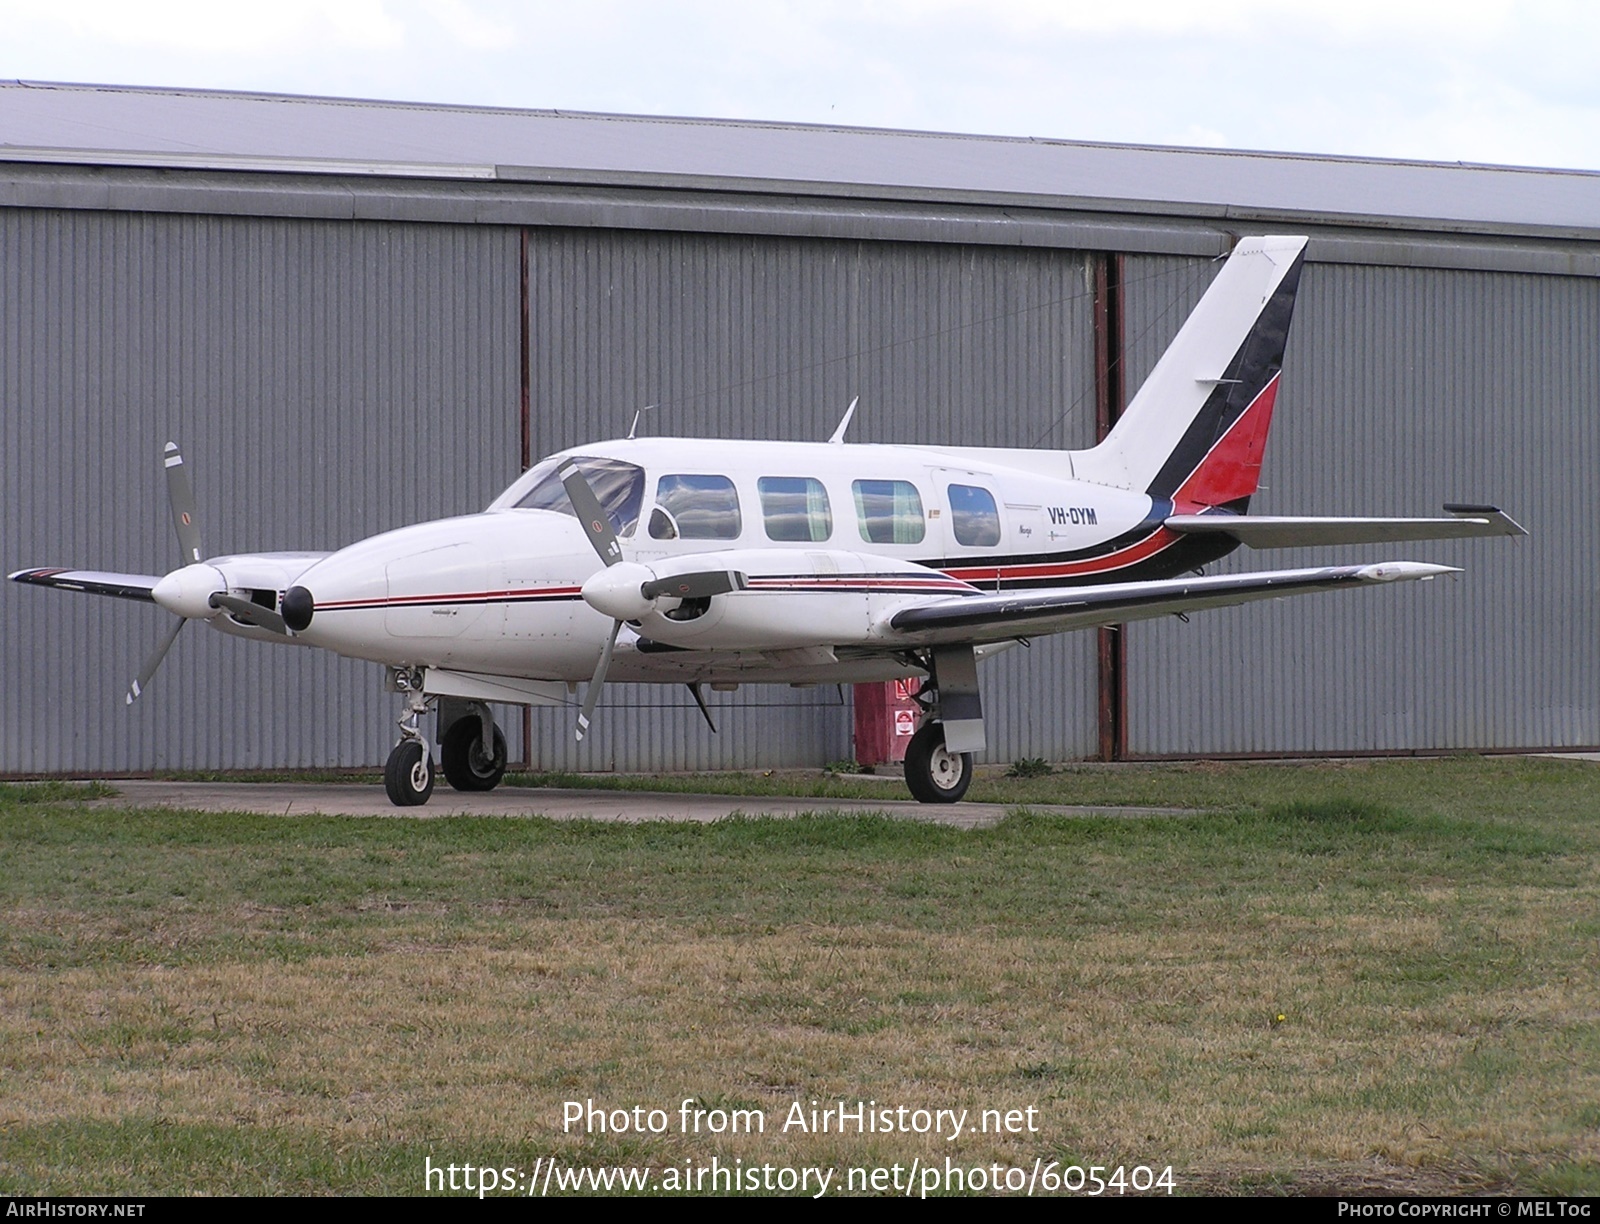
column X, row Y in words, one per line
column 408, row 775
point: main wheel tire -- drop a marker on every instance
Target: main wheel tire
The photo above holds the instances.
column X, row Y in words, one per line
column 408, row 776
column 461, row 756
column 934, row 774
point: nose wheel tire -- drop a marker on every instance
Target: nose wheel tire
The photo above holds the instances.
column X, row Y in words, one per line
column 461, row 755
column 408, row 776
column 933, row 773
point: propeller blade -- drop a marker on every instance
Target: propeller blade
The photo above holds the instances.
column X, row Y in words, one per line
column 180, row 494
column 250, row 613
column 695, row 586
column 596, row 523
column 149, row 669
column 595, row 685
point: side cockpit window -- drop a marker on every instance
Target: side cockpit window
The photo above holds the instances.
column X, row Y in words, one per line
column 974, row 516
column 889, row 511
column 618, row 485
column 795, row 508
column 696, row 508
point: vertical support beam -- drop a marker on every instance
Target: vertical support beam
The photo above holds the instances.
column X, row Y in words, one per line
column 525, row 360
column 1110, row 397
column 525, row 376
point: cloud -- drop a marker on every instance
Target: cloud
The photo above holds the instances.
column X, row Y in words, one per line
column 467, row 26
column 1182, row 18
column 1481, row 80
column 208, row 27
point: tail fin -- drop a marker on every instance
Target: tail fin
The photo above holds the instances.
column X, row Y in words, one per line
column 1195, row 432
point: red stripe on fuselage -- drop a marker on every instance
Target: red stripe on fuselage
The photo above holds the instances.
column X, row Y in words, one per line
column 1157, row 541
column 405, row 601
column 908, row 585
column 1230, row 470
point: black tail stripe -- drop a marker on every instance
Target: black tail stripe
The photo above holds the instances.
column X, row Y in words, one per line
column 1259, row 358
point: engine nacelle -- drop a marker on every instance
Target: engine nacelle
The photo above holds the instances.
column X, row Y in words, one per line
column 793, row 598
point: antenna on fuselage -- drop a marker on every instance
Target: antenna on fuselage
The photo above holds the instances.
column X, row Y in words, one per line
column 634, row 428
column 838, row 434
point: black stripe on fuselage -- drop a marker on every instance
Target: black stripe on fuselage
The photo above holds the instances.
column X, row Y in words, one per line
column 1184, row 554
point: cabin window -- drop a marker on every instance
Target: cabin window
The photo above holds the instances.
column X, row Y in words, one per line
column 889, row 511
column 696, row 508
column 795, row 508
column 975, row 516
column 619, row 486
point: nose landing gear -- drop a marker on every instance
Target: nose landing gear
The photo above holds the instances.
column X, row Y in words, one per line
column 408, row 775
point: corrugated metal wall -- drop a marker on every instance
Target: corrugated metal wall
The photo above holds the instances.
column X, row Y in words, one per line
column 1403, row 388
column 771, row 338
column 327, row 381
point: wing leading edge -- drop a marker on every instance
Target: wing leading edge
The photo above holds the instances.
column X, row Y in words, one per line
column 978, row 619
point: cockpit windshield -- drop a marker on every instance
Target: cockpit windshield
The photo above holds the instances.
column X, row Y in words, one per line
column 618, row 485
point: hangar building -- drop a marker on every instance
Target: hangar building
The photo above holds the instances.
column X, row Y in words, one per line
column 355, row 315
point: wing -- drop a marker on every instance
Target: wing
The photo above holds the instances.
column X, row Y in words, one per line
column 977, row 619
column 1281, row 531
column 96, row 582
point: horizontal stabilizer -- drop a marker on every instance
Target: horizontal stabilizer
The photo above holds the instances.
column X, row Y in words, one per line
column 993, row 618
column 1284, row 531
column 96, row 582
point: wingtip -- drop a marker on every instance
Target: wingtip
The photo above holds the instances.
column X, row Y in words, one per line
column 1493, row 517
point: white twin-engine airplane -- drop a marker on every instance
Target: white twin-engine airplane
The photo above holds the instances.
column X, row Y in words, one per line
column 688, row 561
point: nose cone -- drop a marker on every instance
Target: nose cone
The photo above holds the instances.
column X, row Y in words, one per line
column 188, row 591
column 297, row 608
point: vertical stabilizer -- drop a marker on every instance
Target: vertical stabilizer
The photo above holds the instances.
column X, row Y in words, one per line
column 1196, row 431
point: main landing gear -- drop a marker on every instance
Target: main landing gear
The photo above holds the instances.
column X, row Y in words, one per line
column 467, row 766
column 939, row 756
column 472, row 750
column 933, row 772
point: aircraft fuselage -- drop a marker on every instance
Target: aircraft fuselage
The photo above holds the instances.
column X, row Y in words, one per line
column 833, row 537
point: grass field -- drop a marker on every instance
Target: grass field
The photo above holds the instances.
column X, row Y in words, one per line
column 1379, row 976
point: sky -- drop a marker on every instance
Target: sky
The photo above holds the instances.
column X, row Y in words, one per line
column 1439, row 80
